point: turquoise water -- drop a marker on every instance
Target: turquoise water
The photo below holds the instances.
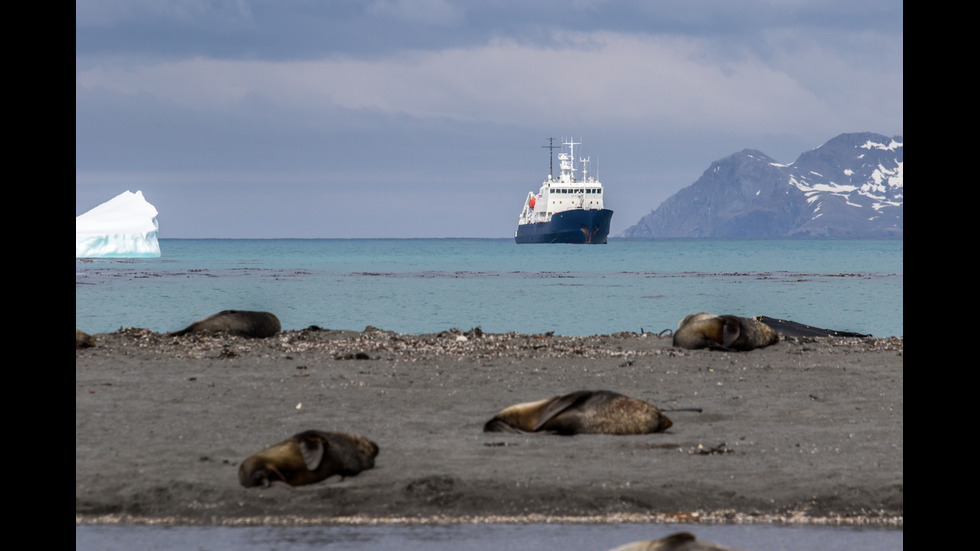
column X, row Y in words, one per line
column 429, row 285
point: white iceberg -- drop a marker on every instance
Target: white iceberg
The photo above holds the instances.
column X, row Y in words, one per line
column 124, row 226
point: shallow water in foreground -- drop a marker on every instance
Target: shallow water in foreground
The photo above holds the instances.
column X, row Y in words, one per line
column 460, row 537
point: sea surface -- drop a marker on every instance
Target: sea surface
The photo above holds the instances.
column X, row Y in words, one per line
column 423, row 286
column 429, row 285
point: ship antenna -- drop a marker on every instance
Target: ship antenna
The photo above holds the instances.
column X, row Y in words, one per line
column 551, row 159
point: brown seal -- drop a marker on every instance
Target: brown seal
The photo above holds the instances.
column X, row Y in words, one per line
column 83, row 339
column 307, row 458
column 582, row 412
column 706, row 330
column 681, row 541
column 244, row 323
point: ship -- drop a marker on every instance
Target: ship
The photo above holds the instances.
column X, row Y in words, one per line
column 567, row 209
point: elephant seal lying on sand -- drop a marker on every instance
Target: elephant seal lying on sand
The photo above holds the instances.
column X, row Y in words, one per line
column 681, row 541
column 244, row 323
column 307, row 458
column 706, row 330
column 582, row 412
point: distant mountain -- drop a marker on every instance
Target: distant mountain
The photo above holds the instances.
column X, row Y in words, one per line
column 850, row 186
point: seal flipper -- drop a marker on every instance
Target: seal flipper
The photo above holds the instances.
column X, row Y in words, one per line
column 730, row 331
column 311, row 447
column 558, row 405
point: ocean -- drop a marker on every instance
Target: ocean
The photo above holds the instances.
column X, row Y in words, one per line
column 423, row 286
column 429, row 285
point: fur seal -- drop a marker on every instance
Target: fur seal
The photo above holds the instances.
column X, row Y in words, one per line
column 307, row 458
column 83, row 339
column 582, row 412
column 244, row 323
column 681, row 541
column 704, row 330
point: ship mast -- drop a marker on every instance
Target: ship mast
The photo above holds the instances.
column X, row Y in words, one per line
column 551, row 158
column 568, row 161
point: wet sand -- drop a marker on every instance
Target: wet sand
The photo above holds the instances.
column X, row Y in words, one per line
column 809, row 430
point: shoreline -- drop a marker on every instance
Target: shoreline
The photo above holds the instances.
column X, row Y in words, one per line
column 807, row 431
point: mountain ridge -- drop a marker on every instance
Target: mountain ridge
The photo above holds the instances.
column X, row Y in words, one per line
column 851, row 186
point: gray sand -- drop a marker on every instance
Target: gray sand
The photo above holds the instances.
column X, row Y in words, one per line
column 805, row 431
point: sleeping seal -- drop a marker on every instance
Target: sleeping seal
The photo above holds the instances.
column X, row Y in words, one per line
column 83, row 339
column 307, row 458
column 244, row 323
column 582, row 412
column 681, row 541
column 706, row 330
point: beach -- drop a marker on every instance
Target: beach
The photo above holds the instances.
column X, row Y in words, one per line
column 809, row 430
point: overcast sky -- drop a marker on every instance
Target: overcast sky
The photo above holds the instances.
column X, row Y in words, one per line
column 426, row 118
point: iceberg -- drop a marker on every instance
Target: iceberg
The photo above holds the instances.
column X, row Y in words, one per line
column 124, row 226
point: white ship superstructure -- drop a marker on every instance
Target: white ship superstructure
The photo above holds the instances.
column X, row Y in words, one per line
column 567, row 192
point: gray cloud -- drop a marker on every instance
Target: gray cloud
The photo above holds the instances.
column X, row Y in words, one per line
column 293, row 98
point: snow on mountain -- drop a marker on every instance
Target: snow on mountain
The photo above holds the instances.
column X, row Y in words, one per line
column 852, row 186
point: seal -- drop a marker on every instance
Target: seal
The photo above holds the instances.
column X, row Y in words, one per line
column 83, row 339
column 308, row 457
column 582, row 412
column 244, row 323
column 681, row 541
column 734, row 333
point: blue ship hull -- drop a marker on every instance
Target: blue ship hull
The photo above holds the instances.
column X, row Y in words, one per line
column 570, row 226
